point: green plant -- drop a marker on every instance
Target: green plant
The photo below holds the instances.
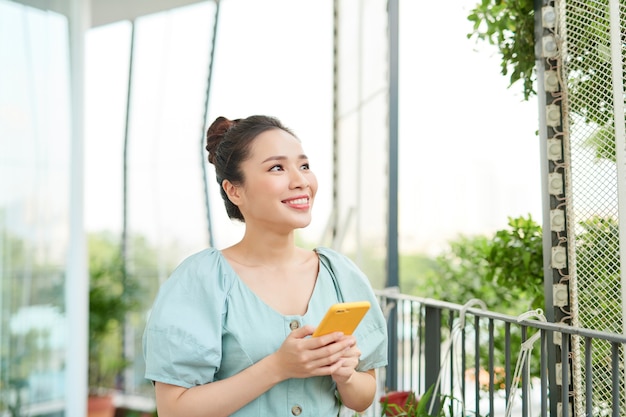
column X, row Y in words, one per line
column 504, row 270
column 515, row 259
column 509, row 25
column 112, row 295
column 600, row 304
column 11, row 397
column 31, row 302
column 13, row 382
column 597, row 249
column 412, row 407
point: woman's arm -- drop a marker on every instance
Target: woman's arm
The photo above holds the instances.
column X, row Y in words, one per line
column 298, row 357
column 219, row 398
column 358, row 392
column 356, row 389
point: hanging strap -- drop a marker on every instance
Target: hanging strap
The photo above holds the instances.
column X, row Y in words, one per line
column 326, row 264
column 456, row 332
column 524, row 358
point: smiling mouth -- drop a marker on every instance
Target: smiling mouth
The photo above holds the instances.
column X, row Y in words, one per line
column 297, row 201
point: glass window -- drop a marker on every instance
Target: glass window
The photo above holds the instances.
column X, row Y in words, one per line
column 362, row 136
column 34, row 197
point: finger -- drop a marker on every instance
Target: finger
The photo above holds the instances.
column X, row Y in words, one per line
column 352, row 353
column 302, row 332
column 349, row 363
column 334, row 351
column 343, row 373
column 329, row 356
column 334, row 368
column 351, row 339
column 328, row 338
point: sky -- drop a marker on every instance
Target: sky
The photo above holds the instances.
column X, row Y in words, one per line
column 469, row 155
column 474, row 159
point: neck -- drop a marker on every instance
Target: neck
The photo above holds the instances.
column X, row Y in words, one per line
column 267, row 248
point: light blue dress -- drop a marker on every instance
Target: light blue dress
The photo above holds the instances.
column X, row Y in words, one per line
column 207, row 325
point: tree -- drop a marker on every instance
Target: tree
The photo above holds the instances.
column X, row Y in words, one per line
column 600, row 302
column 504, row 270
column 598, row 246
column 110, row 300
column 118, row 300
column 509, row 25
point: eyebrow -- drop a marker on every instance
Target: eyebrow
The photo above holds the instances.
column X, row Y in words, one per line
column 282, row 158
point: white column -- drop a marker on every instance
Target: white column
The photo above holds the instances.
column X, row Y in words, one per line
column 77, row 279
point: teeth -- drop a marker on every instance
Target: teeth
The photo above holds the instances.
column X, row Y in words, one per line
column 299, row 201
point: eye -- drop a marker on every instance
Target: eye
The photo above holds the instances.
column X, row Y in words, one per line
column 305, row 167
column 276, row 167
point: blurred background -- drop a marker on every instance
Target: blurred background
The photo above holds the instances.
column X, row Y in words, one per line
column 105, row 188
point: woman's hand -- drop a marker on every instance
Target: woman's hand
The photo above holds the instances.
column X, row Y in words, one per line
column 356, row 389
column 348, row 362
column 301, row 356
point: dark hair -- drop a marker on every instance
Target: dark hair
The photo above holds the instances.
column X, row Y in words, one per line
column 228, row 143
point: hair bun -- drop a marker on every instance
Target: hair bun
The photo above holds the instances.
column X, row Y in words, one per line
column 215, row 134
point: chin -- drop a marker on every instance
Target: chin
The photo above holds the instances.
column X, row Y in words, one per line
column 302, row 224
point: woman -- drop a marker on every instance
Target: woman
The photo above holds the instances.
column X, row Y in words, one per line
column 229, row 332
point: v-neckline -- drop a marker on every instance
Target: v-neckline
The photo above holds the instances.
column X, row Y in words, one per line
column 254, row 295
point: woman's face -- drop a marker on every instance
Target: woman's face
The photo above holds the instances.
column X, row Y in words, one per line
column 279, row 188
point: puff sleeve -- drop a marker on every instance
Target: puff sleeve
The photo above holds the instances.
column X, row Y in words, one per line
column 351, row 284
column 182, row 341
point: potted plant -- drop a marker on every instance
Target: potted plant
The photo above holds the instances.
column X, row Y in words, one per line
column 112, row 294
column 407, row 404
column 398, row 403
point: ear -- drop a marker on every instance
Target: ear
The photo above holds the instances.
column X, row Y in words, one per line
column 232, row 191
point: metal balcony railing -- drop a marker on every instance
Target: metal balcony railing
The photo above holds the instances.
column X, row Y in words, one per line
column 482, row 363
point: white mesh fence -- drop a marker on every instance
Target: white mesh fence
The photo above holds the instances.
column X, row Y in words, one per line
column 592, row 48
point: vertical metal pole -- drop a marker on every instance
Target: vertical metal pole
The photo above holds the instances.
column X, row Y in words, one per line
column 477, row 340
column 491, row 367
column 334, row 223
column 541, row 100
column 615, row 385
column 77, row 278
column 544, row 377
column 588, row 377
column 392, row 241
column 432, row 351
column 565, row 410
column 203, row 160
column 121, row 383
column 540, row 65
column 359, row 136
column 392, row 231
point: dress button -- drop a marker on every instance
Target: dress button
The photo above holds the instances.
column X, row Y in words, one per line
column 296, row 410
column 294, row 324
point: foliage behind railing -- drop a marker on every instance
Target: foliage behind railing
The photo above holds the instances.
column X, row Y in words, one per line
column 428, row 355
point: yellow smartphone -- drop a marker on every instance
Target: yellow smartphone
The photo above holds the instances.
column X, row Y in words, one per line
column 342, row 317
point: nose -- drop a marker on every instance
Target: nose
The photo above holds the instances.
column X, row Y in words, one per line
column 298, row 179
